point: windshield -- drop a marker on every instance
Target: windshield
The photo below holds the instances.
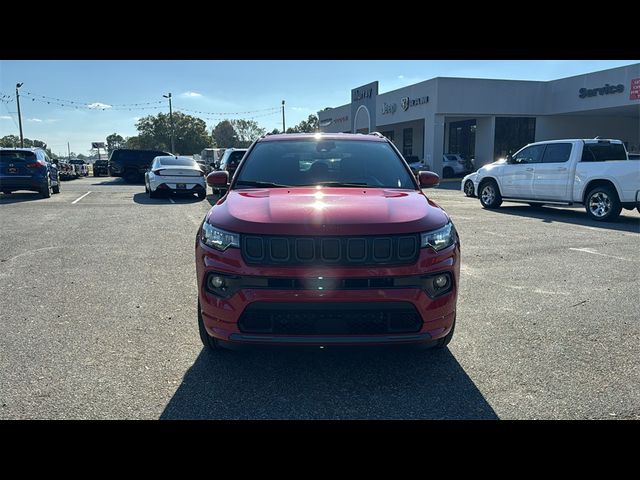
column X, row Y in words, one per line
column 331, row 162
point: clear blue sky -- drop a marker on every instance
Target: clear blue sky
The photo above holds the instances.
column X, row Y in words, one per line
column 221, row 86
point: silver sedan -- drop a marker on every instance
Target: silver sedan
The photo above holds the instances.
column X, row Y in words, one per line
column 173, row 174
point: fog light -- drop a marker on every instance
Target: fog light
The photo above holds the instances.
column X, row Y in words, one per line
column 441, row 281
column 216, row 282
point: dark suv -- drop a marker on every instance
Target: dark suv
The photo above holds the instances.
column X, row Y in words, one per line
column 100, row 167
column 28, row 169
column 326, row 240
column 132, row 164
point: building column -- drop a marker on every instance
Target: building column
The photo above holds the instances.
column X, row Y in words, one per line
column 434, row 142
column 485, row 139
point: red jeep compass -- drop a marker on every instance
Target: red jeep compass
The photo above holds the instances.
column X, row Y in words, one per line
column 326, row 239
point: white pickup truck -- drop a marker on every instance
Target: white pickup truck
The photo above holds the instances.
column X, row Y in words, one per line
column 595, row 173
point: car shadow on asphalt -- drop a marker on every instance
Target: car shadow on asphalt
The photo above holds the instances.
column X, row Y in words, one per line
column 624, row 223
column 142, row 198
column 19, row 197
column 345, row 383
column 118, row 181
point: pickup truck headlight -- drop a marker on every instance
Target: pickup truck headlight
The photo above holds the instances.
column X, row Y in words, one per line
column 439, row 239
column 218, row 238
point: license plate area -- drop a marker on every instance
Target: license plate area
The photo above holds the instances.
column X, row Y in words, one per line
column 181, row 186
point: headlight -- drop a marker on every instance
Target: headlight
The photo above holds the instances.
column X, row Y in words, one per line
column 438, row 239
column 218, row 238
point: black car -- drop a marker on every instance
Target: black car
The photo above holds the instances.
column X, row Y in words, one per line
column 132, row 164
column 28, row 169
column 101, row 167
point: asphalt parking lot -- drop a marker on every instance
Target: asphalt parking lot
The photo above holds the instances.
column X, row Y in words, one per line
column 98, row 320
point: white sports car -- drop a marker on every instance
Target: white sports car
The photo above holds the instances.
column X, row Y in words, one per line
column 173, row 174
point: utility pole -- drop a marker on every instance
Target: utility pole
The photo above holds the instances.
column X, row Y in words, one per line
column 173, row 147
column 18, row 85
column 68, row 152
column 283, row 130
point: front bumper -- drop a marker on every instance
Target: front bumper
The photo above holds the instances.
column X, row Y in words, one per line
column 223, row 317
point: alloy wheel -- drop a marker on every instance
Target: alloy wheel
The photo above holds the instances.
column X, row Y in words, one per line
column 600, row 204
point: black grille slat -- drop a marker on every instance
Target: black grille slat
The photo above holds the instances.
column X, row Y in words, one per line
column 331, row 319
column 335, row 250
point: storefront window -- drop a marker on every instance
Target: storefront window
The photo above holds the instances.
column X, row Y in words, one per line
column 513, row 133
column 462, row 138
column 407, row 142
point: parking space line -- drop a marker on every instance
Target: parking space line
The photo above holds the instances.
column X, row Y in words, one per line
column 593, row 252
column 171, row 200
column 80, row 198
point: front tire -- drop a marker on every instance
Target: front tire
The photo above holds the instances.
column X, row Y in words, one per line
column 489, row 194
column 152, row 194
column 602, row 204
column 468, row 189
column 210, row 343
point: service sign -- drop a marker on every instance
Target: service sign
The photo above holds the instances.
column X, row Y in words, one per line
column 634, row 91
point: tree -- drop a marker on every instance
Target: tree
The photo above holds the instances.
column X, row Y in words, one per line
column 14, row 141
column 133, row 143
column 310, row 125
column 190, row 133
column 247, row 131
column 224, row 135
column 114, row 141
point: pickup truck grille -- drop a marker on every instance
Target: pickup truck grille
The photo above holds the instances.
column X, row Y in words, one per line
column 336, row 250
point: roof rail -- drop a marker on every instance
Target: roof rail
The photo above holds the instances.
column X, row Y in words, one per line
column 377, row 134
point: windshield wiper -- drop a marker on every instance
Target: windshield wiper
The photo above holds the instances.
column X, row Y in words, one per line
column 336, row 184
column 248, row 183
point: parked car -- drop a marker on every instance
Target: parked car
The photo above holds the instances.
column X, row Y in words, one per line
column 594, row 173
column 454, row 164
column 229, row 163
column 169, row 174
column 206, row 168
column 81, row 167
column 132, row 164
column 231, row 159
column 66, row 170
column 28, row 169
column 100, row 167
column 212, row 157
column 346, row 251
column 416, row 165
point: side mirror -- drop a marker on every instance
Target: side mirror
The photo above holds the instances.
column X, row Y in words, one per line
column 510, row 159
column 428, row 179
column 218, row 179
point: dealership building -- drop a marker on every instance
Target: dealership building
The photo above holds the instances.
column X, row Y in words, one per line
column 488, row 119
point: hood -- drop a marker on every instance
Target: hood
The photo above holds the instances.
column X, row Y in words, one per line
column 326, row 211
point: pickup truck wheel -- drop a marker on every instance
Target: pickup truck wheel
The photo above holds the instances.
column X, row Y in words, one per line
column 602, row 204
column 202, row 195
column 210, row 343
column 468, row 188
column 489, row 194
